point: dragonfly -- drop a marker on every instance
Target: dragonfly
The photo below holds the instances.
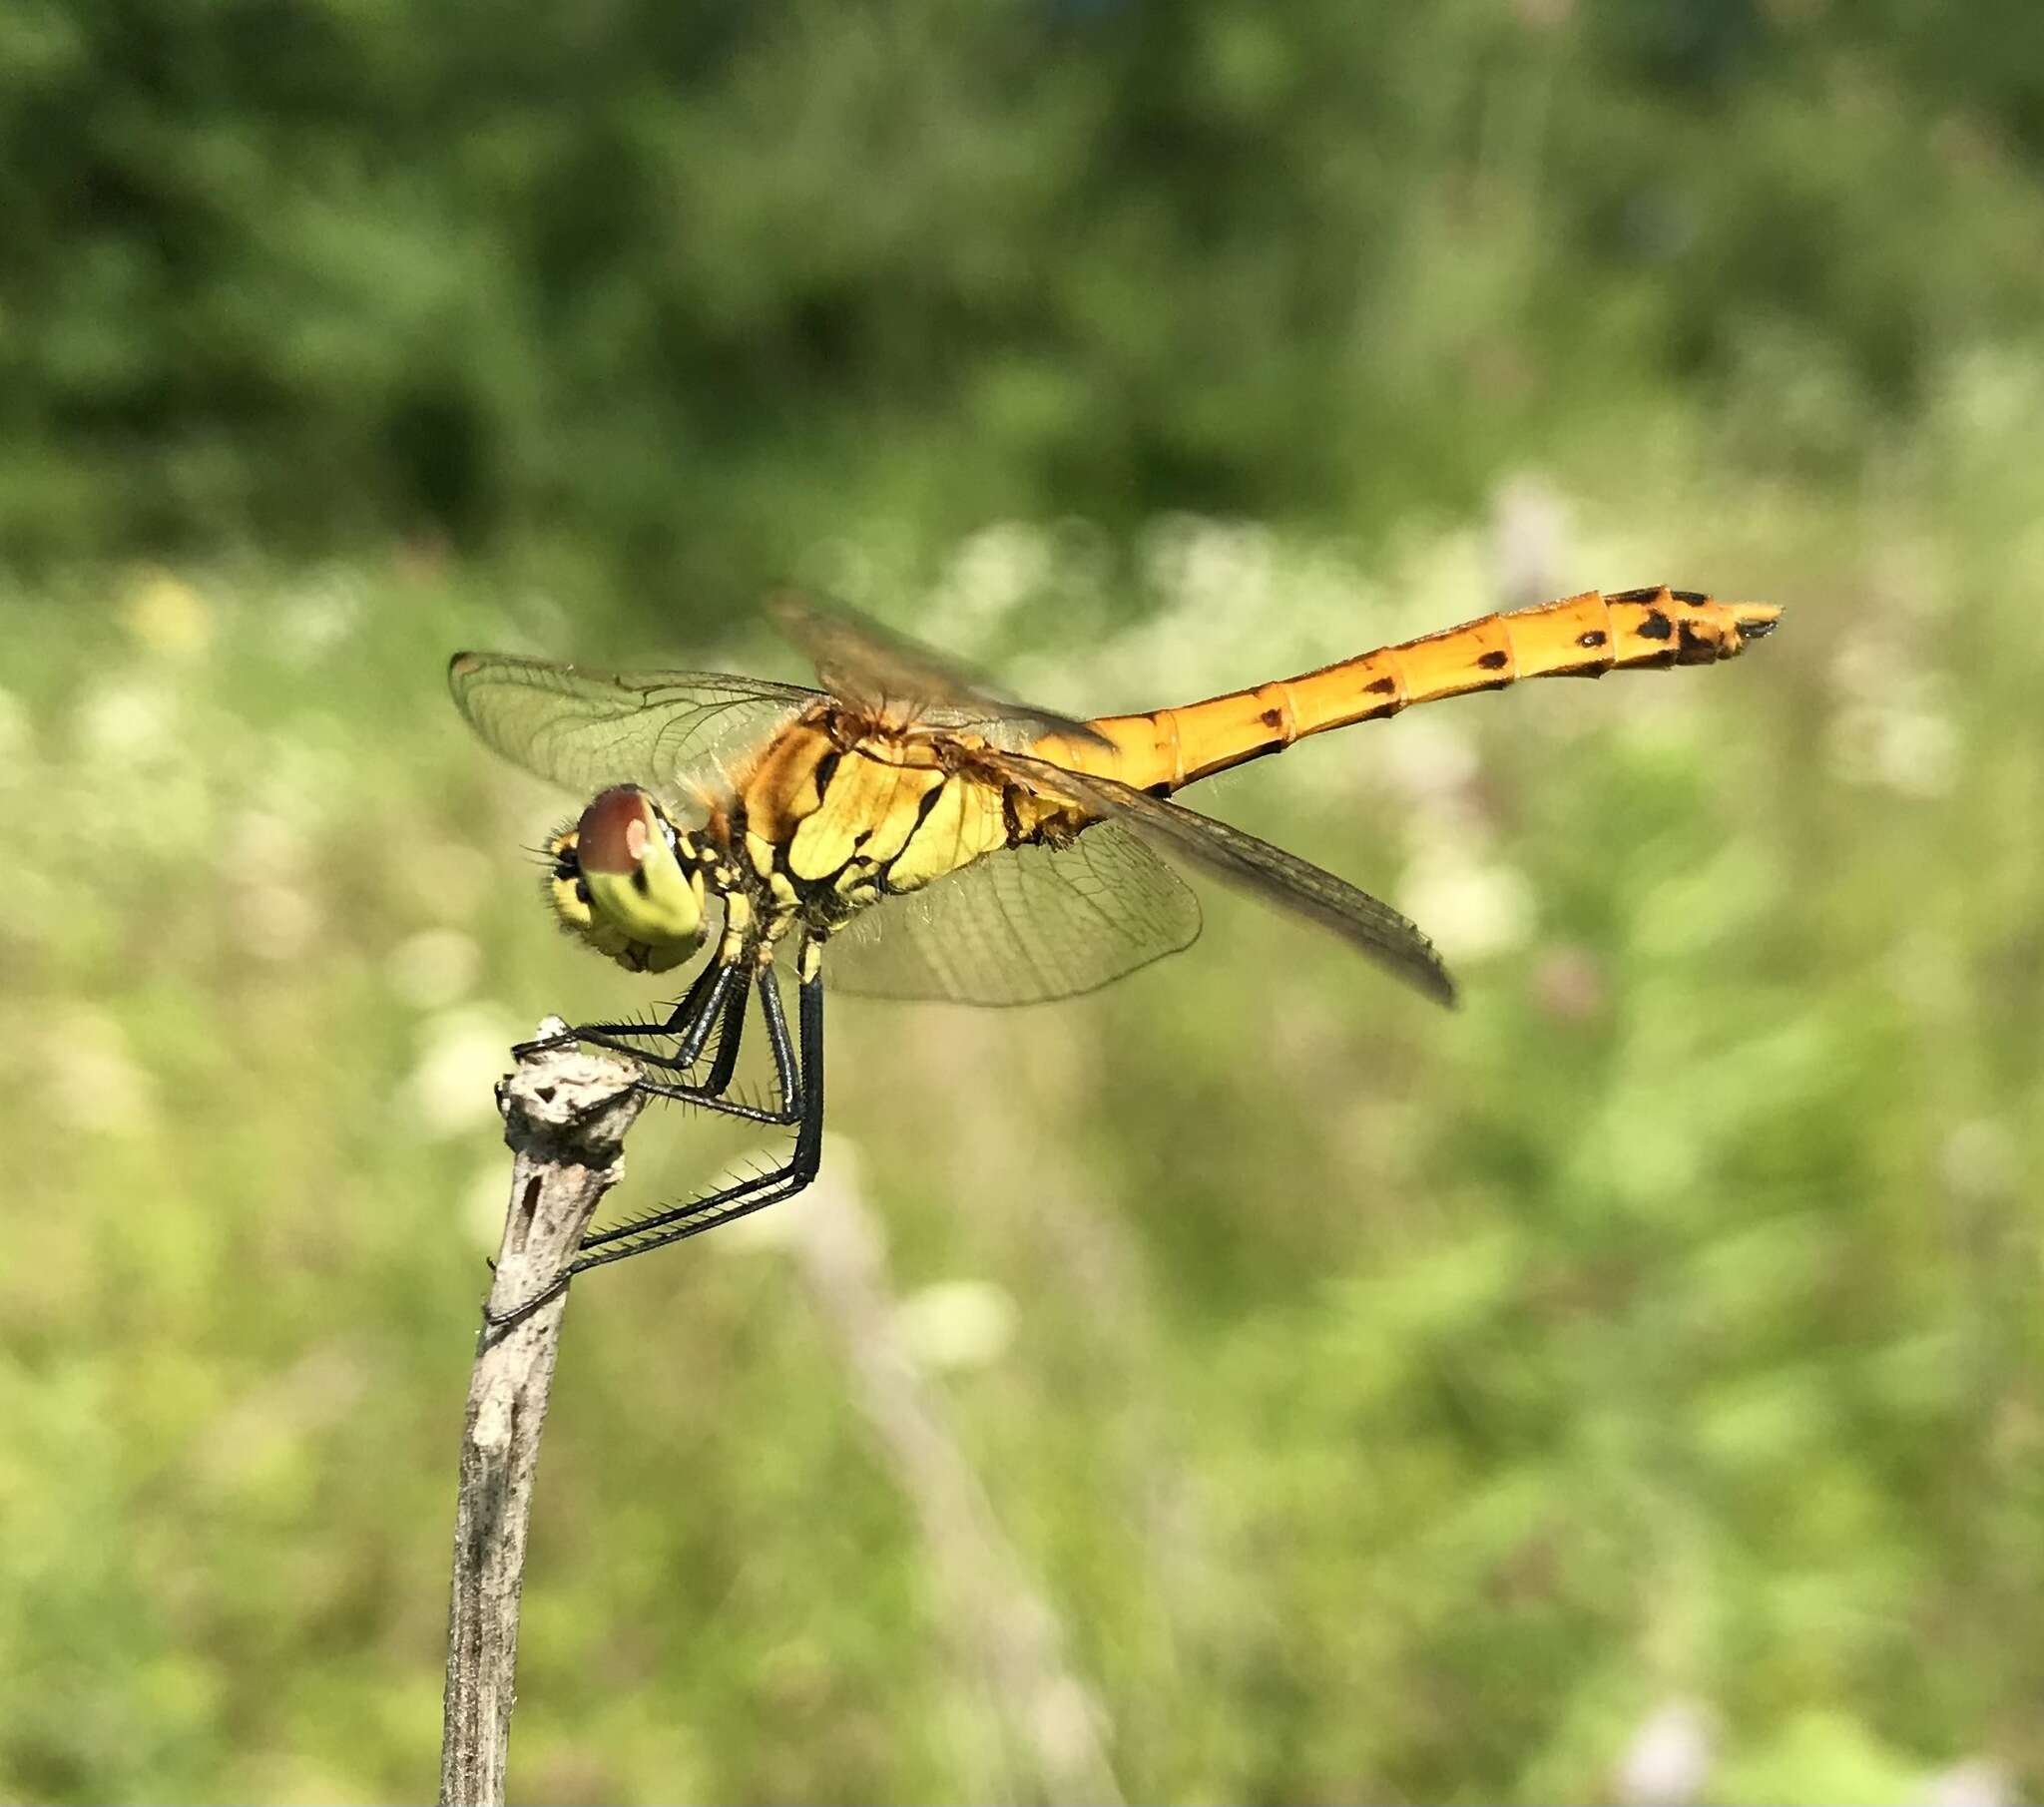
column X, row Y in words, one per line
column 912, row 831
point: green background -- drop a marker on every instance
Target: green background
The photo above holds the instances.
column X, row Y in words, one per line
column 1326, row 1397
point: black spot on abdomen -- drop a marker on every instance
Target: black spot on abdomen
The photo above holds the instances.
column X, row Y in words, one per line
column 1657, row 626
column 1494, row 660
column 1595, row 637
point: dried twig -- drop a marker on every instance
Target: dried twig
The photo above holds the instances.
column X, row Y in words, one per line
column 565, row 1117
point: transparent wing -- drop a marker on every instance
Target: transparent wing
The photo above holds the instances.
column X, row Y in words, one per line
column 880, row 671
column 1251, row 864
column 664, row 731
column 1025, row 925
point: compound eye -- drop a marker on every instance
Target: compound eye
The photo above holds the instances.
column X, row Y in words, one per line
column 615, row 831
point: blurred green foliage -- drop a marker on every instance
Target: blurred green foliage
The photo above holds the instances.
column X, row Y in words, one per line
column 1389, row 1404
column 676, row 281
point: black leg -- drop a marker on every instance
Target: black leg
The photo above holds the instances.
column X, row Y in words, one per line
column 687, row 1021
column 786, row 1081
column 728, row 1036
column 715, row 1001
column 802, row 1100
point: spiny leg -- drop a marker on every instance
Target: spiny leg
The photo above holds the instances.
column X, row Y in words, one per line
column 717, row 999
column 802, row 1098
column 786, row 1079
column 799, row 1074
column 729, row 1034
column 689, row 1021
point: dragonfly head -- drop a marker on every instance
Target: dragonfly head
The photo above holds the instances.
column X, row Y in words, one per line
column 627, row 882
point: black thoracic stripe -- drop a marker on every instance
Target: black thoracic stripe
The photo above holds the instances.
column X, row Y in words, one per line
column 827, row 769
column 924, row 804
column 831, row 877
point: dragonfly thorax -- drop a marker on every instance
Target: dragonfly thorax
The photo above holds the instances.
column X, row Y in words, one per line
column 836, row 815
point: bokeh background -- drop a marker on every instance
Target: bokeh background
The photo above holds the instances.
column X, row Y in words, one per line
column 1248, row 1383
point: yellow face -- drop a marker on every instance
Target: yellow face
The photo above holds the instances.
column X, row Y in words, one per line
column 628, row 883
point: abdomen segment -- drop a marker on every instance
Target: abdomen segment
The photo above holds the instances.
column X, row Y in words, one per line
column 1579, row 637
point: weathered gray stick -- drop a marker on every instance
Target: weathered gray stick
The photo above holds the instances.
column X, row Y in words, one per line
column 565, row 1117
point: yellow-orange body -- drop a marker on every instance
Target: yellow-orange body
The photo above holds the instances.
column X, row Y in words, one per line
column 1579, row 637
column 840, row 808
column 901, row 772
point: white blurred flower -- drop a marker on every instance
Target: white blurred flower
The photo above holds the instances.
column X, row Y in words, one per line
column 1529, row 531
column 1995, row 393
column 464, row 1052
column 990, row 574
column 1869, row 668
column 449, row 879
column 1891, row 729
column 1980, row 1783
column 1430, row 759
column 1910, row 752
column 1980, row 1161
column 957, row 1324
column 1669, row 1760
column 1228, row 568
column 276, row 921
column 263, row 844
column 273, row 912
column 435, row 968
column 129, row 720
column 95, row 1082
column 168, row 616
column 307, row 771
column 1436, row 580
column 1474, row 909
column 483, row 1210
column 314, row 619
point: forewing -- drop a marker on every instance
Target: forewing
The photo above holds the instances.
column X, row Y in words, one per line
column 1023, row 926
column 1253, row 865
column 664, row 731
column 877, row 669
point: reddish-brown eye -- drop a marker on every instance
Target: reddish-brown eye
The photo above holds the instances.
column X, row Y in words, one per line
column 613, row 832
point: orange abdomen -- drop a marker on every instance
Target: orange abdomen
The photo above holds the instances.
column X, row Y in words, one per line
column 1579, row 637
